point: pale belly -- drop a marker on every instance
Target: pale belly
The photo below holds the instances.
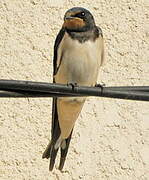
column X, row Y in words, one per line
column 78, row 67
column 78, row 64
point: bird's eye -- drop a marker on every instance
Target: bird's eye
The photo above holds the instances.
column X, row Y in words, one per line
column 82, row 13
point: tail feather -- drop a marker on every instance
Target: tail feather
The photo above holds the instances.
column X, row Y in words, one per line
column 51, row 151
column 52, row 158
column 56, row 141
column 64, row 152
column 47, row 152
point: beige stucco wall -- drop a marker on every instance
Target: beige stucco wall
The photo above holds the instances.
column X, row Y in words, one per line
column 110, row 140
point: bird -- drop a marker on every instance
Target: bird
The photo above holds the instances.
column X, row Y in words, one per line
column 78, row 55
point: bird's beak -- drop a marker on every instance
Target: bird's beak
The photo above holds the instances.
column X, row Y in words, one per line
column 68, row 18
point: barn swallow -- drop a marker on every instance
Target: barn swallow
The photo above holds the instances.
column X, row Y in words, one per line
column 78, row 54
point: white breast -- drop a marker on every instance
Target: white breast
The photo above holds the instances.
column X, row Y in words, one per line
column 79, row 62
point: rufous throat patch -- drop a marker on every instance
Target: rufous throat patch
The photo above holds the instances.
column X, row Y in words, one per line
column 74, row 23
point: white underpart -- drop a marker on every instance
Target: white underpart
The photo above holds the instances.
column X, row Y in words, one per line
column 63, row 144
column 78, row 63
column 60, row 143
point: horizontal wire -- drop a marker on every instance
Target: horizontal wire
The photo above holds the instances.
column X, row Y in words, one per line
column 16, row 89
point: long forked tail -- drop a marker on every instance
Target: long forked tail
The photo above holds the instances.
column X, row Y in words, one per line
column 51, row 153
column 56, row 141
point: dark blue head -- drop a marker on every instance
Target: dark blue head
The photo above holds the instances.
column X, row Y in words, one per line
column 78, row 19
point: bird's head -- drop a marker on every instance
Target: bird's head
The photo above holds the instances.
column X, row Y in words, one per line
column 78, row 19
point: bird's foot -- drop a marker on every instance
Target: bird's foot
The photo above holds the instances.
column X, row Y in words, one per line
column 73, row 85
column 101, row 85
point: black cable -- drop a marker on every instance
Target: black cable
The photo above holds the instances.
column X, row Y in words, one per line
column 14, row 88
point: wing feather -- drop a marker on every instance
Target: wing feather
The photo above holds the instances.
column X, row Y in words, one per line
column 100, row 33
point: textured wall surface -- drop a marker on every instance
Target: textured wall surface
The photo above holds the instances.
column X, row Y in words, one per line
column 110, row 140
